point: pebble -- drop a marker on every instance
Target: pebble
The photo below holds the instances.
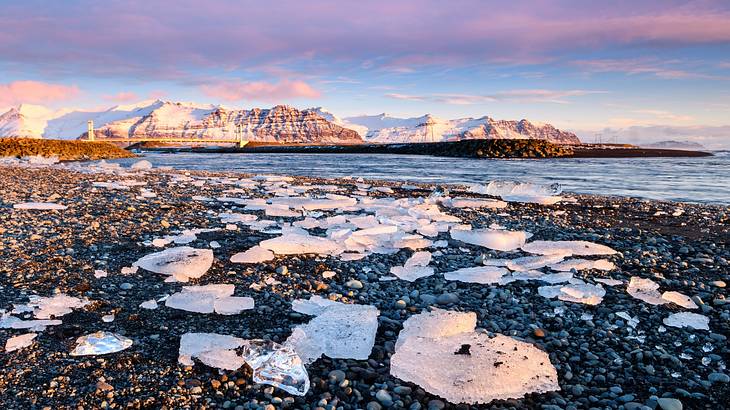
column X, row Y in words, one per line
column 354, row 284
column 717, row 377
column 669, row 404
column 447, row 298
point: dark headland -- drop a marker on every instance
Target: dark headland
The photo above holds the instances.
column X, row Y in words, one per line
column 477, row 148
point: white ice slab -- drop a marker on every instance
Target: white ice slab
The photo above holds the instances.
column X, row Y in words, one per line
column 441, row 352
column 181, row 263
column 489, row 238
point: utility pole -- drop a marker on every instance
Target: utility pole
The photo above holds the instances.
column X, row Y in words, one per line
column 90, row 130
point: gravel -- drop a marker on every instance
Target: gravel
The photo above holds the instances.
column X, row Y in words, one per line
column 602, row 362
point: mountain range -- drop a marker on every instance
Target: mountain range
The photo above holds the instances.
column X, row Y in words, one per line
column 672, row 144
column 281, row 123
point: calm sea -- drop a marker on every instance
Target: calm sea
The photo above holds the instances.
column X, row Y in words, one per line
column 704, row 179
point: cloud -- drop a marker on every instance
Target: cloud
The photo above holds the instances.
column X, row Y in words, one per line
column 526, row 95
column 35, row 92
column 174, row 38
column 665, row 115
column 259, row 90
column 122, row 97
column 664, row 70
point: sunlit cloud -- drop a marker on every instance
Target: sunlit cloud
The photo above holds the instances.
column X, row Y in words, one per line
column 658, row 69
column 35, row 92
column 259, row 90
column 529, row 95
column 121, row 97
column 665, row 115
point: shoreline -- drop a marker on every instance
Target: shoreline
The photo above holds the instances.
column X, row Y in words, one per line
column 102, row 228
column 571, row 151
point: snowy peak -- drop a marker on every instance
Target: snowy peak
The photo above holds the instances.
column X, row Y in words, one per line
column 24, row 121
column 383, row 128
column 281, row 123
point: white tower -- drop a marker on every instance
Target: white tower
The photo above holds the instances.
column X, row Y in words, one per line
column 90, row 132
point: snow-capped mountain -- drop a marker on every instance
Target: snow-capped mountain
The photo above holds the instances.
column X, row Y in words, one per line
column 284, row 124
column 163, row 119
column 688, row 145
column 24, row 121
column 383, row 128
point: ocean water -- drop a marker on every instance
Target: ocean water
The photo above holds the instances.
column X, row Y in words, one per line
column 704, row 180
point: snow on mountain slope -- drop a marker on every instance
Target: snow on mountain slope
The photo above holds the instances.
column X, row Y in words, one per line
column 72, row 124
column 360, row 129
column 281, row 124
column 284, row 124
column 26, row 121
column 383, row 128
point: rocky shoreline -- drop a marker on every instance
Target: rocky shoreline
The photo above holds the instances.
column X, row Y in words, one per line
column 602, row 359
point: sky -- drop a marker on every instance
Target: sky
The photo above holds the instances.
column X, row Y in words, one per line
column 615, row 70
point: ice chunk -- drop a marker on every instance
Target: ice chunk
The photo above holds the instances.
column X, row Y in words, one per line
column 422, row 258
column 645, row 290
column 182, row 263
column 54, row 306
column 679, row 299
column 272, row 363
column 567, row 248
column 574, row 292
column 297, row 243
column 197, row 344
column 687, row 319
column 440, row 352
column 415, row 267
column 208, row 299
column 532, row 262
column 256, row 254
column 474, row 203
column 492, row 239
column 533, row 199
column 436, row 324
column 338, row 330
column 583, row 264
column 632, row 321
column 609, row 281
column 486, row 275
column 12, row 322
column 281, row 211
column 315, row 305
column 40, row 206
column 149, row 304
column 19, row 342
column 500, row 188
column 537, row 275
column 100, row 343
column 233, row 305
column 228, row 218
column 41, row 160
column 276, row 365
column 141, row 165
column 411, row 273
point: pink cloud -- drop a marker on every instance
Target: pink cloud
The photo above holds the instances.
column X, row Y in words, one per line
column 172, row 39
column 122, row 97
column 525, row 95
column 35, row 92
column 259, row 90
column 664, row 70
